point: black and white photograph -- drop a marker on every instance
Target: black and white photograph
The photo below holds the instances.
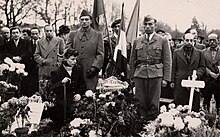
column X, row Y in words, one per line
column 109, row 68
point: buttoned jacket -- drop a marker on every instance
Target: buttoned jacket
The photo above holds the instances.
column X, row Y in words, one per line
column 156, row 49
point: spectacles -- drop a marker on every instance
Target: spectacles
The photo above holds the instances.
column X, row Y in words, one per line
column 49, row 30
column 212, row 40
column 117, row 26
column 189, row 40
column 86, row 19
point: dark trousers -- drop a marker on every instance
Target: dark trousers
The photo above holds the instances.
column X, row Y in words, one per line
column 211, row 88
column 147, row 92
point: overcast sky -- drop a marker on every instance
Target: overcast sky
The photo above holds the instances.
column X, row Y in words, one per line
column 179, row 12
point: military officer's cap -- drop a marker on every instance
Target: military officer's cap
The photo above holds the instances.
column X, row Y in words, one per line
column 85, row 13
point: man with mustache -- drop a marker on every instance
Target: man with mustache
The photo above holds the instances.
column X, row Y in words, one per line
column 211, row 77
column 185, row 60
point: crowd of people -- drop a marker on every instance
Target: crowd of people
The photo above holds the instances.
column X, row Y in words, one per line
column 74, row 59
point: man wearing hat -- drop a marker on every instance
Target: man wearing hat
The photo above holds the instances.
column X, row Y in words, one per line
column 63, row 32
column 108, row 63
column 150, row 64
column 89, row 44
column 211, row 77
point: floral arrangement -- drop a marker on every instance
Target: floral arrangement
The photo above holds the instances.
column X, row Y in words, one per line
column 177, row 122
column 10, row 75
column 104, row 114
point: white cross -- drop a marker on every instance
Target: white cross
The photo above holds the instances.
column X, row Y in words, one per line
column 192, row 84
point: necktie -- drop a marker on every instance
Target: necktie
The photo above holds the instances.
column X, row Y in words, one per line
column 147, row 37
column 84, row 37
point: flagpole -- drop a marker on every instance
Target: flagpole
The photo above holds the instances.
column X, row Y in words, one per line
column 106, row 26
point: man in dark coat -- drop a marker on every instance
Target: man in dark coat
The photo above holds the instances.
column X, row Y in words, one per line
column 150, row 64
column 89, row 44
column 110, row 68
column 3, row 39
column 185, row 60
column 211, row 77
column 32, row 69
column 19, row 51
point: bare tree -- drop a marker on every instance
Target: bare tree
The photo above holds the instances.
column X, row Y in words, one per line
column 16, row 10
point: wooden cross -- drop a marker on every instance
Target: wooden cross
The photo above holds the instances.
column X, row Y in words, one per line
column 192, row 84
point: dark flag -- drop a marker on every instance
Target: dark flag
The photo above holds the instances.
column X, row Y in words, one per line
column 132, row 30
column 120, row 53
column 98, row 9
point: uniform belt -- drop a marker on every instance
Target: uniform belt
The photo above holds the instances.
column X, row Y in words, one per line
column 150, row 62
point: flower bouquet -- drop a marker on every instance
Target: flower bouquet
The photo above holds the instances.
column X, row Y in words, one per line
column 179, row 122
column 10, row 75
column 104, row 114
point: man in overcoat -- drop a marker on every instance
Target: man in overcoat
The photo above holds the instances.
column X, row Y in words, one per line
column 211, row 77
column 185, row 60
column 47, row 51
column 89, row 44
column 19, row 51
column 150, row 64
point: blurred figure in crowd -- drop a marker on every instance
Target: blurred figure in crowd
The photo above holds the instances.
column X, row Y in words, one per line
column 211, row 77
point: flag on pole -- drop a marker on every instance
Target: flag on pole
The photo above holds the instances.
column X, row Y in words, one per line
column 132, row 30
column 120, row 53
column 98, row 9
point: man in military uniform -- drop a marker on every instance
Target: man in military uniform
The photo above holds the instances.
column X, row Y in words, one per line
column 89, row 44
column 150, row 64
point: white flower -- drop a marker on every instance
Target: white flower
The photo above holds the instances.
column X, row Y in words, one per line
column 77, row 97
column 5, row 105
column 194, row 123
column 89, row 93
column 178, row 123
column 174, row 112
column 108, row 103
column 75, row 132
column 8, row 61
column 102, row 96
column 108, row 93
column 2, row 68
column 19, row 66
column 76, row 122
column 163, row 109
column 187, row 119
column 186, row 108
column 25, row 73
column 92, row 133
column 12, row 68
column 166, row 119
column 172, row 106
column 180, row 108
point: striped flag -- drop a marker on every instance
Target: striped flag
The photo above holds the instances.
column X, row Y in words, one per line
column 98, row 9
column 120, row 53
column 132, row 30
